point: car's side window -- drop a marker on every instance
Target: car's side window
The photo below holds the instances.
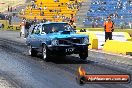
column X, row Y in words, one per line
column 43, row 30
column 33, row 30
column 46, row 28
column 37, row 30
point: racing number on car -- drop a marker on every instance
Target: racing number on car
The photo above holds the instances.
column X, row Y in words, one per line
column 70, row 50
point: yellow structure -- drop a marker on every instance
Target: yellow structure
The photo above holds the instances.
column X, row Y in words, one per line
column 92, row 39
column 5, row 23
column 127, row 36
column 9, row 27
column 53, row 10
column 119, row 47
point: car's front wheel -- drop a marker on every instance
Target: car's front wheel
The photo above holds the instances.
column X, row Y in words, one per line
column 45, row 53
column 32, row 51
column 83, row 55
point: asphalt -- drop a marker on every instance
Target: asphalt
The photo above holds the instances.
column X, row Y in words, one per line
column 6, row 83
column 25, row 71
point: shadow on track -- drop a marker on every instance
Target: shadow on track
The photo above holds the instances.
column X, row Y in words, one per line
column 67, row 60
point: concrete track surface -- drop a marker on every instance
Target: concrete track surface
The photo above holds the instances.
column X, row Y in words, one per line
column 24, row 71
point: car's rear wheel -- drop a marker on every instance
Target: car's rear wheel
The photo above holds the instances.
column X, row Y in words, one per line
column 32, row 51
column 83, row 55
column 45, row 53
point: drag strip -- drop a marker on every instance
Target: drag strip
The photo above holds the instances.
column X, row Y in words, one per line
column 33, row 72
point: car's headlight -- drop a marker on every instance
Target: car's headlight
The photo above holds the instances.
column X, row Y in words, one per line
column 85, row 41
column 55, row 42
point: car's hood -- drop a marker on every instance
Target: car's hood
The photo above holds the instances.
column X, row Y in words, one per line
column 61, row 35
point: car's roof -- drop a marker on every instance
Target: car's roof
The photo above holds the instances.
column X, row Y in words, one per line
column 51, row 22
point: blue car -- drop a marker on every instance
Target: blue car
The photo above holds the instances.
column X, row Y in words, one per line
column 57, row 38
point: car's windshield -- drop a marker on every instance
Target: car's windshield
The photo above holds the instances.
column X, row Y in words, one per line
column 55, row 27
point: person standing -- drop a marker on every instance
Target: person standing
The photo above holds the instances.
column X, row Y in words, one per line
column 109, row 28
column 11, row 9
column 22, row 33
column 8, row 8
column 9, row 18
column 35, row 20
column 72, row 20
column 27, row 26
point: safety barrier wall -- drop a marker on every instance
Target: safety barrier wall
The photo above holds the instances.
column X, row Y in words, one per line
column 5, row 23
column 92, row 39
column 120, row 47
column 9, row 27
column 14, row 27
column 97, row 38
column 127, row 36
column 122, row 36
column 129, row 31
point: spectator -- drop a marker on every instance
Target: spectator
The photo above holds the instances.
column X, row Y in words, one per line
column 129, row 1
column 11, row 9
column 41, row 4
column 8, row 8
column 122, row 24
column 35, row 20
column 56, row 0
column 44, row 20
column 74, row 26
column 32, row 4
column 72, row 20
column 10, row 18
column 15, row 8
column 42, row 13
column 40, row 8
column 45, row 8
column 22, row 33
column 27, row 26
column 96, row 24
column 93, row 24
column 130, row 25
column 23, row 12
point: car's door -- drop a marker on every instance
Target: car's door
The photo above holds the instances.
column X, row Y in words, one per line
column 38, row 39
column 33, row 37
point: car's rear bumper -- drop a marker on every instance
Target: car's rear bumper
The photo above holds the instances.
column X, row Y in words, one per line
column 68, row 49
